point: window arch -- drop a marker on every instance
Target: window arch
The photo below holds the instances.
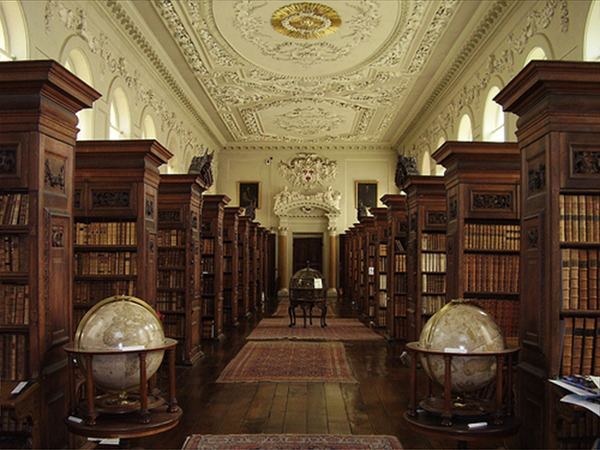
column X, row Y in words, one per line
column 465, row 129
column 148, row 127
column 493, row 118
column 426, row 164
column 13, row 33
column 535, row 53
column 439, row 169
column 591, row 36
column 120, row 118
column 77, row 63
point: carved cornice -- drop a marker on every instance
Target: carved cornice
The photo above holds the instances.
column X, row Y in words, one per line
column 329, row 201
column 290, row 147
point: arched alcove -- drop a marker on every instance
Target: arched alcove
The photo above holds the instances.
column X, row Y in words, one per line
column 591, row 40
column 119, row 115
column 493, row 118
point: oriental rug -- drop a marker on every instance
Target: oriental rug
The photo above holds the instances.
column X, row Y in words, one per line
column 282, row 311
column 337, row 329
column 276, row 361
column 291, row 441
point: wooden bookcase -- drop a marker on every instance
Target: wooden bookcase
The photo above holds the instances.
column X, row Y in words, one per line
column 179, row 279
column 37, row 138
column 230, row 266
column 115, row 221
column 381, row 267
column 213, row 212
column 368, row 244
column 558, row 131
column 244, row 267
column 483, row 181
column 253, row 271
column 397, row 222
column 359, row 266
column 426, row 252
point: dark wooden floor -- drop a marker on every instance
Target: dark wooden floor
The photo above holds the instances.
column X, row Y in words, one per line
column 373, row 406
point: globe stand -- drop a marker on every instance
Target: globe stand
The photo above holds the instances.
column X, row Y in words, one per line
column 112, row 414
column 449, row 415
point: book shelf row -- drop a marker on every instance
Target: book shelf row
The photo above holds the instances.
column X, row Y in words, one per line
column 170, row 237
column 581, row 346
column 170, row 258
column 170, row 301
column 14, row 209
column 486, row 236
column 15, row 304
column 505, row 312
column 433, row 262
column 579, row 218
column 105, row 233
column 13, row 253
column 434, row 242
column 171, row 279
column 89, row 292
column 105, row 263
column 580, row 278
column 492, row 273
column 13, row 354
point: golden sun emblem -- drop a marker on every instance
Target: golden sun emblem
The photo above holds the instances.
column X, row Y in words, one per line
column 306, row 20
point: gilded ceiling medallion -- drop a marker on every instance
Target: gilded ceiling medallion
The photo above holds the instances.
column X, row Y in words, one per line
column 306, row 20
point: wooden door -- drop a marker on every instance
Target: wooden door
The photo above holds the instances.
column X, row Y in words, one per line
column 308, row 249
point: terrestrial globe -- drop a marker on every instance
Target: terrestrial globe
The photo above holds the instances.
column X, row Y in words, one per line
column 120, row 323
column 461, row 326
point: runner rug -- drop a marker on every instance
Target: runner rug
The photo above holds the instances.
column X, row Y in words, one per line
column 336, row 330
column 282, row 311
column 276, row 361
column 290, row 441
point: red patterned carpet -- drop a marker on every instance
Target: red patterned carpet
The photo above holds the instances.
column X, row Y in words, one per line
column 291, row 441
column 277, row 361
column 337, row 329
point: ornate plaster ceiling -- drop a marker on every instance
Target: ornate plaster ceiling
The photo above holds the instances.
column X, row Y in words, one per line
column 333, row 71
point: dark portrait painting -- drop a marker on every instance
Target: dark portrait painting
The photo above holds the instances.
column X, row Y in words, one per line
column 366, row 192
column 249, row 191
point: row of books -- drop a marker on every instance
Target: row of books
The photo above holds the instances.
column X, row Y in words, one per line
column 435, row 242
column 208, row 264
column 208, row 245
column 170, row 258
column 86, row 292
column 170, row 279
column 581, row 432
column 382, row 302
column 382, row 249
column 13, row 356
column 505, row 312
column 208, row 286
column 382, row 264
column 228, row 248
column 208, row 328
column 433, row 283
column 14, row 209
column 400, row 305
column 580, row 275
column 227, row 265
column 400, row 282
column 13, row 253
column 430, row 304
column 170, row 237
column 105, row 233
column 581, row 346
column 492, row 236
column 15, row 304
column 382, row 281
column 492, row 273
column 170, row 300
column 399, row 246
column 400, row 263
column 174, row 326
column 433, row 262
column 579, row 218
column 105, row 263
column 381, row 318
column 9, row 424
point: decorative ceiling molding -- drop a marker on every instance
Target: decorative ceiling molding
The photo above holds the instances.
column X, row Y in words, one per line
column 499, row 62
column 308, row 171
column 329, row 201
column 75, row 20
column 306, row 20
column 339, row 147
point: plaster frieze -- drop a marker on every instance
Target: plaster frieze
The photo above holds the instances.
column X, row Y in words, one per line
column 307, row 171
column 291, row 147
column 500, row 62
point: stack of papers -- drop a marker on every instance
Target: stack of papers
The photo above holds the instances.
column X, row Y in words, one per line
column 585, row 391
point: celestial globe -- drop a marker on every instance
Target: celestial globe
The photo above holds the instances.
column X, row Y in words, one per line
column 462, row 327
column 121, row 323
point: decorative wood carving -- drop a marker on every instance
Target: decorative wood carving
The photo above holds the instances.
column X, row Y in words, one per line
column 492, row 201
column 537, row 178
column 111, row 199
column 54, row 174
column 169, row 216
column 8, row 159
column 586, row 162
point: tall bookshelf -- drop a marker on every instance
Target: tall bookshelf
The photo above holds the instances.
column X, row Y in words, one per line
column 397, row 222
column 115, row 221
column 179, row 284
column 37, row 138
column 230, row 266
column 381, row 267
column 426, row 253
column 483, row 181
column 359, row 266
column 558, row 132
column 253, row 270
column 213, row 212
column 368, row 244
column 244, row 267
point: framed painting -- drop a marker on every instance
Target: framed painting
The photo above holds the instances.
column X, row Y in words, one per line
column 366, row 192
column 248, row 192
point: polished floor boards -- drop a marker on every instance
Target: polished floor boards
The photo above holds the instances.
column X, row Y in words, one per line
column 373, row 406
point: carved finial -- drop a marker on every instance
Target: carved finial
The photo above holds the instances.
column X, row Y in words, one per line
column 407, row 165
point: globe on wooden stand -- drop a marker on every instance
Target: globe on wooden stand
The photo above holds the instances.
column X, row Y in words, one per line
column 462, row 349
column 119, row 345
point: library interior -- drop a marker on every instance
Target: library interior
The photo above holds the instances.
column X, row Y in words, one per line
column 334, row 224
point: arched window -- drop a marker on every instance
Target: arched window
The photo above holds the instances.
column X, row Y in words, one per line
column 465, row 130
column 426, row 164
column 13, row 34
column 148, row 128
column 535, row 53
column 493, row 118
column 120, row 122
column 439, row 169
column 77, row 63
column 591, row 37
